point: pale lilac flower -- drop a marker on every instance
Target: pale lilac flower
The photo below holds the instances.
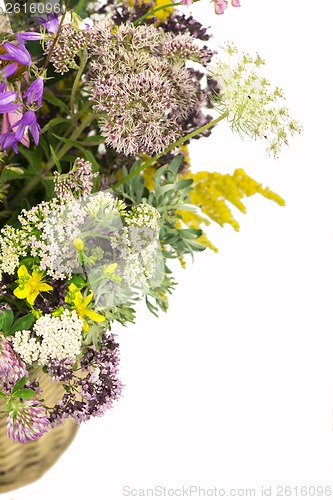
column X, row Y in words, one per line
column 26, row 421
column 29, row 121
column 235, row 3
column 35, row 92
column 186, row 2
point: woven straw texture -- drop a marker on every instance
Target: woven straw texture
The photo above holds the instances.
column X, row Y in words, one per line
column 21, row 464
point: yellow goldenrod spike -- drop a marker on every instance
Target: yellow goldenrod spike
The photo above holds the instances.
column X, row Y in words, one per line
column 211, row 192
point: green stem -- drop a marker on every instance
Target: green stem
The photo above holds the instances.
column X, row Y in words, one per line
column 152, row 12
column 62, row 151
column 170, row 148
column 83, row 62
column 66, row 147
column 54, row 41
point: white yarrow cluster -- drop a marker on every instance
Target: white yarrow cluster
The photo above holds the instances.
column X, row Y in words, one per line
column 58, row 223
column 12, row 246
column 54, row 337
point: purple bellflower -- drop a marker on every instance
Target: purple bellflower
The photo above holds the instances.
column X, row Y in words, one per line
column 8, row 70
column 51, row 23
column 29, row 121
column 8, row 140
column 35, row 92
column 16, row 53
column 6, row 102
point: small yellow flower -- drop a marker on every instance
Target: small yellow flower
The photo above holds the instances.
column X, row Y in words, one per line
column 78, row 244
column 76, row 298
column 111, row 268
column 30, row 286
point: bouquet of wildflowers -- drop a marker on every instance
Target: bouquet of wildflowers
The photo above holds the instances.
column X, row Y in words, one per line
column 98, row 103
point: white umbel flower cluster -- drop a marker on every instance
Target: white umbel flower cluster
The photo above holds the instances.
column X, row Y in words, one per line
column 53, row 337
column 141, row 237
column 249, row 103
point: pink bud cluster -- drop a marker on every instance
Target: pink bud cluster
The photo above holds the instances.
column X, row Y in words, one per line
column 219, row 5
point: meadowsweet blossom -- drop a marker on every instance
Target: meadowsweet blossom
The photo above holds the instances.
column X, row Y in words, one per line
column 52, row 337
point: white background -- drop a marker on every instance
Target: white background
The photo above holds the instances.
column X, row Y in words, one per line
column 234, row 386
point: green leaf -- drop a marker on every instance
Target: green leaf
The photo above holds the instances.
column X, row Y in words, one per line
column 56, row 102
column 11, row 172
column 25, row 393
column 75, row 144
column 23, row 323
column 6, row 320
column 19, row 384
column 190, row 234
column 2, row 395
column 55, row 159
column 90, row 157
column 78, row 281
column 54, row 122
column 184, row 183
